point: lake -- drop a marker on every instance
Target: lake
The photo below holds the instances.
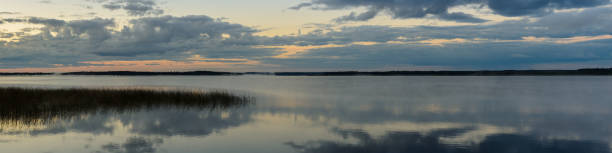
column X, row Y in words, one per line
column 335, row 114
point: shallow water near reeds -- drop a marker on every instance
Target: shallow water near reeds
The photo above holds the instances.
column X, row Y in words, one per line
column 354, row 114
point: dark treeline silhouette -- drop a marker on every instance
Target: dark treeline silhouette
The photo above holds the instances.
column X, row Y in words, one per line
column 38, row 105
column 134, row 73
column 596, row 71
column 17, row 74
column 456, row 73
column 606, row 71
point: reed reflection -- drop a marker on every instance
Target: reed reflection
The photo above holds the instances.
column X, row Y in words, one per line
column 36, row 109
column 133, row 145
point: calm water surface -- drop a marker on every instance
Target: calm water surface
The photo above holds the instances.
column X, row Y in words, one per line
column 356, row 114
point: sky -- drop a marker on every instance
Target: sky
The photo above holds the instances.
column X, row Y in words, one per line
column 303, row 35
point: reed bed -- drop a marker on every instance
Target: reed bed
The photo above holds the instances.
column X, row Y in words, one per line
column 36, row 105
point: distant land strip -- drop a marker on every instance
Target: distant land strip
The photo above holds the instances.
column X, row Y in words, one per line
column 16, row 74
column 593, row 71
column 456, row 73
column 134, row 73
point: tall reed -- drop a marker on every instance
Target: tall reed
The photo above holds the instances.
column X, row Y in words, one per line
column 36, row 105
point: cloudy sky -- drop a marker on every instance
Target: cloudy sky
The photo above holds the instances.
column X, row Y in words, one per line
column 303, row 35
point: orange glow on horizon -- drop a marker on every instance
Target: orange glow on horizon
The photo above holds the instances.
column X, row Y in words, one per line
column 289, row 51
column 196, row 62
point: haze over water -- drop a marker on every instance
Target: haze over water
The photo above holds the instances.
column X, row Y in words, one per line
column 335, row 114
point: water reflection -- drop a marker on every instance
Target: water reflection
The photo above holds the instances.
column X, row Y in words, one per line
column 432, row 142
column 146, row 125
column 163, row 122
column 20, row 107
column 549, row 122
column 184, row 123
column 338, row 114
column 133, row 145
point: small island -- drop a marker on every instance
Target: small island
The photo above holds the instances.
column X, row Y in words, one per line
column 22, row 74
column 136, row 73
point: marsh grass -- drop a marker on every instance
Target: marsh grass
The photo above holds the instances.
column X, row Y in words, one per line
column 31, row 106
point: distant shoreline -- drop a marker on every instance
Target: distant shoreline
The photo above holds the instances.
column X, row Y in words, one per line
column 17, row 74
column 595, row 71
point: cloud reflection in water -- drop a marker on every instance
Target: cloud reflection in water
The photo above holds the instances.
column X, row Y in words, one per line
column 401, row 141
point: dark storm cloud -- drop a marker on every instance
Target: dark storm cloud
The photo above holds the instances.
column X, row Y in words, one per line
column 397, row 9
column 404, row 9
column 45, row 1
column 509, row 55
column 64, row 41
column 491, row 46
column 175, row 34
column 13, row 20
column 47, row 22
column 461, row 17
column 133, row 7
column 96, row 29
column 358, row 17
column 536, row 7
column 168, row 28
column 151, row 38
column 112, row 6
column 37, row 20
column 492, row 53
column 589, row 22
column 9, row 13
